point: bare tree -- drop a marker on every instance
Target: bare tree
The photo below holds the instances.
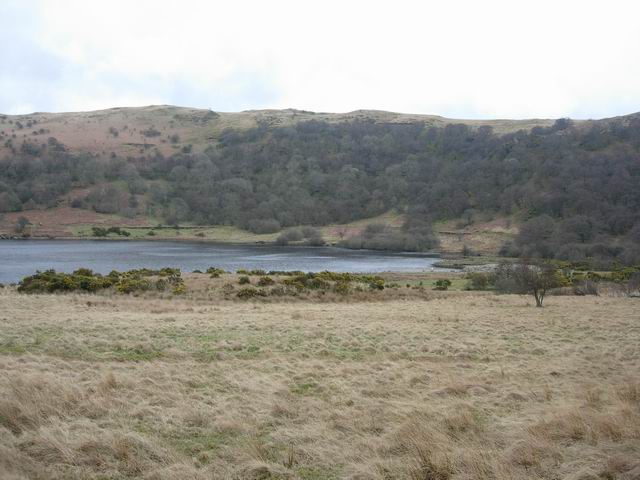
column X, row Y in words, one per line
column 528, row 278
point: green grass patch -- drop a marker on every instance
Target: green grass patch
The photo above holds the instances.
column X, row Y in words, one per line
column 306, row 388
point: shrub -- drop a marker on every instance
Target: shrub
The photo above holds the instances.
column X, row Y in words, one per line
column 415, row 235
column 50, row 281
column 244, row 280
column 342, row 288
column 99, row 231
column 291, row 235
column 150, row 132
column 250, row 292
column 479, row 281
column 21, row 224
column 264, row 226
column 468, row 252
column 585, row 287
column 166, row 272
column 130, row 285
column 215, row 272
column 118, row 231
column 335, row 276
column 278, row 291
column 442, row 284
column 315, row 241
column 266, row 281
column 103, row 232
column 284, row 272
column 313, row 236
column 84, row 279
column 317, row 284
column 309, row 232
column 295, row 283
column 84, row 272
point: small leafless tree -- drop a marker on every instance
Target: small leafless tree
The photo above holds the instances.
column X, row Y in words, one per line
column 527, row 278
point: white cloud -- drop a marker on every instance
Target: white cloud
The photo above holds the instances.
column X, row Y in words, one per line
column 461, row 58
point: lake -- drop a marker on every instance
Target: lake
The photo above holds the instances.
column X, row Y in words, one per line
column 19, row 258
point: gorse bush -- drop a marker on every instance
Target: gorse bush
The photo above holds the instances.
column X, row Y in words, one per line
column 297, row 283
column 215, row 272
column 132, row 284
column 342, row 288
column 266, row 281
column 323, row 280
column 50, row 281
column 250, row 292
column 85, row 280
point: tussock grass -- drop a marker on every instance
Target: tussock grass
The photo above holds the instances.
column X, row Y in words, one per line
column 460, row 386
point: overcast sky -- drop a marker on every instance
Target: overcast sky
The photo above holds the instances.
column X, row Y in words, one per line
column 464, row 59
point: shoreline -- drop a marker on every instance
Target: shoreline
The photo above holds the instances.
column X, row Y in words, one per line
column 260, row 243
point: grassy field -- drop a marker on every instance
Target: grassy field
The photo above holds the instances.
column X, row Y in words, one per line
column 441, row 385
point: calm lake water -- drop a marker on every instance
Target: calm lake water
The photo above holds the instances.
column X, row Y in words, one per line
column 19, row 258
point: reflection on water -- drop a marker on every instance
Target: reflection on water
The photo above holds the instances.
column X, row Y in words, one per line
column 23, row 257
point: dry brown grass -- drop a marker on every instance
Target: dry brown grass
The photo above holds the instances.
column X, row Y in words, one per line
column 459, row 386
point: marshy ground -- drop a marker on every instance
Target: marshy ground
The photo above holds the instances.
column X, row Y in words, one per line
column 453, row 385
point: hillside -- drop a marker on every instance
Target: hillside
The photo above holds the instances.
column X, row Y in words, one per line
column 559, row 189
column 135, row 131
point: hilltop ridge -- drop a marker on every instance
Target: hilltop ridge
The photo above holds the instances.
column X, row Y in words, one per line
column 168, row 129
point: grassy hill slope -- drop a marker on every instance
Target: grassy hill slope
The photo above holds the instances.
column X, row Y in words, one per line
column 169, row 129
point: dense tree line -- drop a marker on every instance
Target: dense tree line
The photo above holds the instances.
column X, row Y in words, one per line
column 576, row 187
